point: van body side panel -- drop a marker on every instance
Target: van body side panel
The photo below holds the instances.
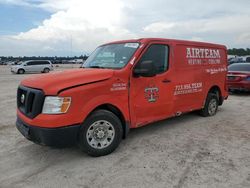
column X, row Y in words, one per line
column 198, row 68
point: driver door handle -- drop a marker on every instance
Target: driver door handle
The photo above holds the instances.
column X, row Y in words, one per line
column 166, row 81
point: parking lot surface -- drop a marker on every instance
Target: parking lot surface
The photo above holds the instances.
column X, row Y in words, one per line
column 187, row 151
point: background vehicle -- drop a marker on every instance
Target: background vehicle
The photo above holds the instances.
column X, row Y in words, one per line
column 248, row 59
column 235, row 60
column 44, row 66
column 238, row 77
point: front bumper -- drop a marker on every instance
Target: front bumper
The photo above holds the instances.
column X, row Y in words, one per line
column 242, row 86
column 13, row 70
column 55, row 137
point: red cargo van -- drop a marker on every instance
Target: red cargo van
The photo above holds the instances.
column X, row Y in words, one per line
column 122, row 85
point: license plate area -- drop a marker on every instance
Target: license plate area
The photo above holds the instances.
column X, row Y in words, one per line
column 23, row 129
column 231, row 77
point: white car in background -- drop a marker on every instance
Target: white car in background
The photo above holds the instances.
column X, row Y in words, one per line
column 31, row 66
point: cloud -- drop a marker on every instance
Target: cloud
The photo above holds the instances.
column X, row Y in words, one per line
column 83, row 24
column 86, row 24
column 49, row 5
column 244, row 39
column 159, row 27
column 225, row 25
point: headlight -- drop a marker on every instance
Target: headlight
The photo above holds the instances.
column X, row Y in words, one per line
column 56, row 105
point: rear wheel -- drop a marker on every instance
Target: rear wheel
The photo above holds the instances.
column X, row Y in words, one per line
column 100, row 134
column 211, row 105
column 46, row 70
column 20, row 71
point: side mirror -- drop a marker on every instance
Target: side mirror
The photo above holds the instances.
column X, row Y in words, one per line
column 145, row 69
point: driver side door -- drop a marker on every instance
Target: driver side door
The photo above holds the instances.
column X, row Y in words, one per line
column 151, row 98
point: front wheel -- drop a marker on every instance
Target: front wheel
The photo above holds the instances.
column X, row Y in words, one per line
column 46, row 70
column 20, row 71
column 211, row 105
column 100, row 134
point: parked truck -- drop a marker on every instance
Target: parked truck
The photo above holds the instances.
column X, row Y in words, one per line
column 121, row 86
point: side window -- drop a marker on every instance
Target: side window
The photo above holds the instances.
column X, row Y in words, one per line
column 158, row 54
column 30, row 63
column 34, row 63
column 43, row 63
column 40, row 63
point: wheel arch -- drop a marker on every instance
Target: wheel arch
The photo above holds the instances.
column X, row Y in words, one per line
column 112, row 108
column 217, row 91
column 21, row 69
column 46, row 68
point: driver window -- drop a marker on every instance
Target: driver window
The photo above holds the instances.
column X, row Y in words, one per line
column 158, row 54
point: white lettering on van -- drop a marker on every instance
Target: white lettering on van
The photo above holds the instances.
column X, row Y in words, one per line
column 216, row 70
column 118, row 87
column 188, row 88
column 189, row 54
column 202, row 53
column 198, row 56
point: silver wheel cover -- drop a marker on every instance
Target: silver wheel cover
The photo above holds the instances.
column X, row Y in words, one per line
column 100, row 134
column 212, row 107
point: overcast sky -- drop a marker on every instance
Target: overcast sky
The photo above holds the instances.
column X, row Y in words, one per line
column 74, row 27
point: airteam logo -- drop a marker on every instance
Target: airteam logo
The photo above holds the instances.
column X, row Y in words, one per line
column 198, row 56
column 202, row 53
column 151, row 93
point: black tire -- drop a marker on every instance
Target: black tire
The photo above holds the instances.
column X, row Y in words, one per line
column 232, row 90
column 20, row 71
column 211, row 105
column 99, row 123
column 46, row 70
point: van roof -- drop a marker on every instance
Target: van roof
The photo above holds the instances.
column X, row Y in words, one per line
column 146, row 40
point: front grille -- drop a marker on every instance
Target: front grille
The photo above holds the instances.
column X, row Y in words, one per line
column 30, row 101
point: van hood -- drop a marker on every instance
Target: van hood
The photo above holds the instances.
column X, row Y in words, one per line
column 53, row 82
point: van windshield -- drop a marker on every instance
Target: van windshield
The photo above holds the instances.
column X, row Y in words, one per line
column 113, row 56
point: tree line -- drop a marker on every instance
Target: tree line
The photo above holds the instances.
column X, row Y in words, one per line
column 233, row 51
column 51, row 58
column 239, row 51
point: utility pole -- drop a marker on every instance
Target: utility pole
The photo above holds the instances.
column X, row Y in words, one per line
column 71, row 45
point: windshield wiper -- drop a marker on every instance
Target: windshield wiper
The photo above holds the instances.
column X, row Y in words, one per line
column 95, row 66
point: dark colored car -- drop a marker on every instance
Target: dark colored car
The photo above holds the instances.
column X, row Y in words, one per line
column 238, row 77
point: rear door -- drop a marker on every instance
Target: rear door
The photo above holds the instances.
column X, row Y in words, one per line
column 29, row 66
column 151, row 98
column 39, row 66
